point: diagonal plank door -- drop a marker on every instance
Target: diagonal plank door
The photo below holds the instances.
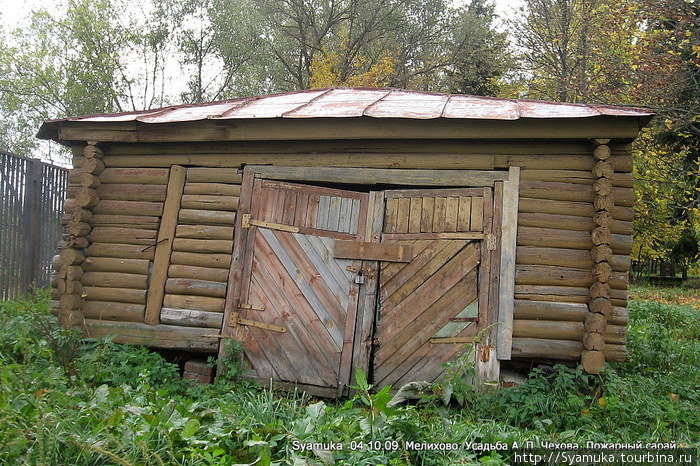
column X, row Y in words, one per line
column 429, row 308
column 298, row 303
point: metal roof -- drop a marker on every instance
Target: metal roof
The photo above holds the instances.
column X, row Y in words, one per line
column 340, row 102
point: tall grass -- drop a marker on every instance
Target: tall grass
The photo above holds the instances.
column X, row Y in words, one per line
column 64, row 400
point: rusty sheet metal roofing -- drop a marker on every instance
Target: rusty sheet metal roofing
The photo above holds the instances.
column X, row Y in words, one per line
column 341, row 102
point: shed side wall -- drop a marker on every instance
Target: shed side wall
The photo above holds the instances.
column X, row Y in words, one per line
column 553, row 264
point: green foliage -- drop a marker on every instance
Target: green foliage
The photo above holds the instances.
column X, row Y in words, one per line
column 126, row 405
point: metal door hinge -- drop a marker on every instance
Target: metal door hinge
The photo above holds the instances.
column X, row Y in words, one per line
column 236, row 319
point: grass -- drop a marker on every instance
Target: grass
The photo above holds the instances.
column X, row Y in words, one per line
column 64, row 400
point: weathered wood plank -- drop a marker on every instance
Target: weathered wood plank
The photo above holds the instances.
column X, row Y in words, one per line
column 191, row 318
column 163, row 249
column 195, row 287
column 506, row 291
column 121, row 295
column 199, row 273
column 213, row 189
column 113, row 311
column 198, row 303
column 156, row 336
column 373, row 251
column 202, row 245
column 213, row 175
column 204, row 232
column 209, row 202
column 109, row 264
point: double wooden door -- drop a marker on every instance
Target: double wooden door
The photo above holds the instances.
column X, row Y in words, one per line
column 332, row 280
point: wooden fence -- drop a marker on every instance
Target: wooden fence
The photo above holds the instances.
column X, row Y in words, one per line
column 32, row 194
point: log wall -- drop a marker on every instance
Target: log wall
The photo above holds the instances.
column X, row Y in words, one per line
column 557, row 209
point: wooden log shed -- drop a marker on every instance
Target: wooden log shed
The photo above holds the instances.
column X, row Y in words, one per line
column 340, row 228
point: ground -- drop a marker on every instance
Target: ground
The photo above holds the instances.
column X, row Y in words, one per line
column 70, row 401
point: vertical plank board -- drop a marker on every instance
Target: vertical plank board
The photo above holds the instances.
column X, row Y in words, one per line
column 477, row 214
column 367, row 299
column 426, row 218
column 166, row 234
column 506, row 292
column 324, row 204
column 402, row 214
column 354, row 216
column 241, row 239
column 278, row 207
column 311, row 216
column 301, row 209
column 415, row 215
column 464, row 213
column 439, row 215
column 334, row 213
column 290, row 202
column 391, row 215
column 451, row 211
column 345, row 211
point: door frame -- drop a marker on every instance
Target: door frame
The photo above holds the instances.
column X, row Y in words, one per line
column 497, row 341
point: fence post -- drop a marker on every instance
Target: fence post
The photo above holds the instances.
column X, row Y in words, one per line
column 31, row 223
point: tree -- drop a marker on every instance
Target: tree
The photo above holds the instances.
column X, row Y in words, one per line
column 86, row 61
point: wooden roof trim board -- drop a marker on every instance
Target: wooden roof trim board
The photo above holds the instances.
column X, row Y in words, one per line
column 355, row 103
column 272, row 129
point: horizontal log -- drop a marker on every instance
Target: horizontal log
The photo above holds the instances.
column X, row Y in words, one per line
column 119, row 295
column 204, row 232
column 603, row 169
column 75, row 272
column 55, row 296
column 217, row 261
column 562, row 276
column 78, row 228
column 89, row 181
column 78, row 242
column 191, row 318
column 56, row 262
column 87, row 198
column 614, row 352
column 93, row 166
column 548, row 329
column 202, row 245
column 568, row 239
column 132, row 192
column 111, row 264
column 75, row 176
column 213, row 189
column 154, row 209
column 129, row 221
column 135, row 175
column 557, row 191
column 546, row 349
column 122, row 251
column 207, row 202
column 116, row 280
column 198, row 273
column 580, row 209
column 71, row 256
column 560, row 222
column 623, row 180
column 213, row 175
column 384, row 147
column 195, row 287
column 197, row 303
column 407, row 157
column 623, row 196
column 602, row 152
column 619, row 316
column 113, row 311
column 574, row 258
column 156, row 336
column 81, row 215
column 123, row 236
column 546, row 310
column 91, row 151
column 70, row 301
column 206, row 217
